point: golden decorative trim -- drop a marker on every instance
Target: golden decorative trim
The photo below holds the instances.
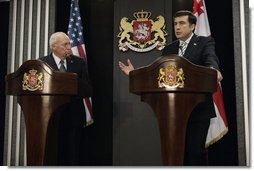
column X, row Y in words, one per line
column 217, row 138
column 89, row 123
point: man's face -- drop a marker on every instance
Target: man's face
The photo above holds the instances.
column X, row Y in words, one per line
column 183, row 29
column 62, row 47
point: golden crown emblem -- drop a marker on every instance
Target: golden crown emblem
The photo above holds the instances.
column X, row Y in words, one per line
column 33, row 71
column 142, row 15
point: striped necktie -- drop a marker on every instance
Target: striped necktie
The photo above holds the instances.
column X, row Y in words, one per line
column 182, row 48
column 62, row 67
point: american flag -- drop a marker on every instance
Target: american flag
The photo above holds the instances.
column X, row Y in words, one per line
column 75, row 33
column 218, row 125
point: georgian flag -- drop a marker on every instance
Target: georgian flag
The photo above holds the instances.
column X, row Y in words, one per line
column 218, row 125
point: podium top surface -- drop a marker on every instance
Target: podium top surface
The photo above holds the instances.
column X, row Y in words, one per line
column 173, row 74
column 35, row 77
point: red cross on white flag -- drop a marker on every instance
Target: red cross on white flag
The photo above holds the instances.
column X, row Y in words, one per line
column 218, row 125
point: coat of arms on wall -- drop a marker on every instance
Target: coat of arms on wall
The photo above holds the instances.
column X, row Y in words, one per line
column 142, row 34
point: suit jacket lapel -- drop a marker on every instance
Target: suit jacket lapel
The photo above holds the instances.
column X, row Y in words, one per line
column 191, row 47
column 52, row 62
column 70, row 64
column 176, row 47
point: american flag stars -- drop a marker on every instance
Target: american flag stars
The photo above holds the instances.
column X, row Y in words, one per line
column 75, row 31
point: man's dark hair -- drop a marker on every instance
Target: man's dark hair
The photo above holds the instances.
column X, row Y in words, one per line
column 191, row 18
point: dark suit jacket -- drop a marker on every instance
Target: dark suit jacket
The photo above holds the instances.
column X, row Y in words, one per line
column 74, row 65
column 200, row 51
column 65, row 132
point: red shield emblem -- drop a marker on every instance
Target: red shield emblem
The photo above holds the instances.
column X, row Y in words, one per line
column 171, row 77
column 32, row 80
column 142, row 31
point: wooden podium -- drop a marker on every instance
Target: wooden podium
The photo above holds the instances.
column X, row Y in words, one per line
column 172, row 86
column 40, row 92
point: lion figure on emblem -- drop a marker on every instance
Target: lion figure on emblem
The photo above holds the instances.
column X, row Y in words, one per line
column 125, row 29
column 158, row 27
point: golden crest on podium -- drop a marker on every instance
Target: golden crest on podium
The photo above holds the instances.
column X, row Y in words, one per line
column 170, row 77
column 142, row 34
column 32, row 81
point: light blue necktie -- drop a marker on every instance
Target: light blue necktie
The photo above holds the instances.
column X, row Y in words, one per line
column 62, row 67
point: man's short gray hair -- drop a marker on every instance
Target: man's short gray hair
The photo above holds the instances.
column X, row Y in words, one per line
column 54, row 37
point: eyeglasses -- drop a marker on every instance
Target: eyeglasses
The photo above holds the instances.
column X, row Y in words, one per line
column 66, row 45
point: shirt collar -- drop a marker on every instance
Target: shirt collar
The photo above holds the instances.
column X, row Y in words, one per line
column 186, row 41
column 57, row 59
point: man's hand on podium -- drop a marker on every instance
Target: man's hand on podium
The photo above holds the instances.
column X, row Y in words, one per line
column 219, row 75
